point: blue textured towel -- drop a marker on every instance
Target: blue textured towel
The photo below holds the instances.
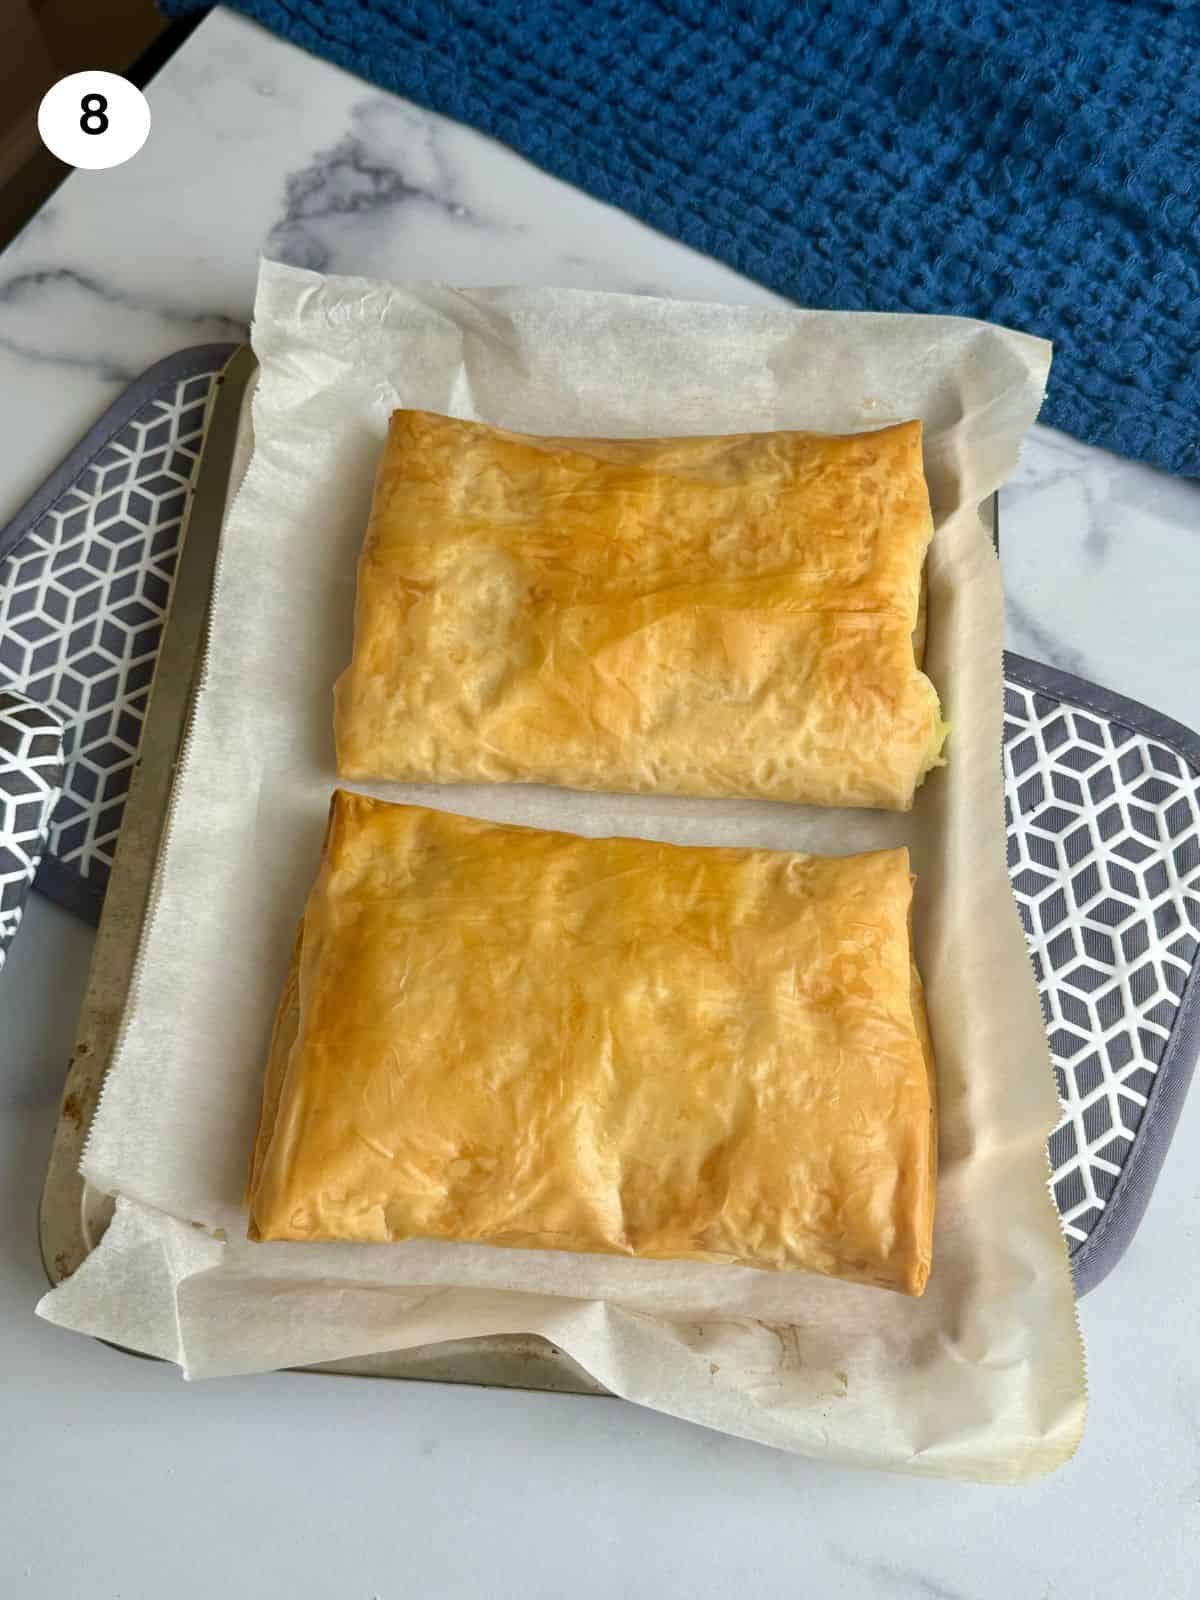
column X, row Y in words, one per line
column 1032, row 164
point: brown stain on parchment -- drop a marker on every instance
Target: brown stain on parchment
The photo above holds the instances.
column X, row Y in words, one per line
column 791, row 1357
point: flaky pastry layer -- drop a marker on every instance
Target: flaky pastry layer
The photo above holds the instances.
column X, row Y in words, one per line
column 728, row 616
column 499, row 1035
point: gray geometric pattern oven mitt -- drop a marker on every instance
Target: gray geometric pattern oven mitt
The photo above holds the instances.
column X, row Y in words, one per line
column 31, row 776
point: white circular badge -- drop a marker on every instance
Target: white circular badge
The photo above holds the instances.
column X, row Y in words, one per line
column 94, row 119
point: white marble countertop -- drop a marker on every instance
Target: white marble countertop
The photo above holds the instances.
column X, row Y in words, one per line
column 121, row 1480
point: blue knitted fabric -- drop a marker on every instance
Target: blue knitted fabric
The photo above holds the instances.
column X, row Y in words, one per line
column 1033, row 164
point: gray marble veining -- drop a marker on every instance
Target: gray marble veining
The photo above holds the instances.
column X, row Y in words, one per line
column 890, row 1578
column 389, row 159
column 1102, row 571
column 35, row 305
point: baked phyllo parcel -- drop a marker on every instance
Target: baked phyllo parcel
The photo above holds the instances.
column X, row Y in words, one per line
column 726, row 616
column 505, row 1036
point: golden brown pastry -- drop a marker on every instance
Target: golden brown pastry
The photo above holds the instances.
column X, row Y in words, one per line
column 522, row 1038
column 695, row 616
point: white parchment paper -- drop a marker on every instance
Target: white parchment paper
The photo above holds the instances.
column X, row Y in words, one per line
column 983, row 1377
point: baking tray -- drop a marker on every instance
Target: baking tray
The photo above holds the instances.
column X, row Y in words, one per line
column 1098, row 788
column 74, row 1215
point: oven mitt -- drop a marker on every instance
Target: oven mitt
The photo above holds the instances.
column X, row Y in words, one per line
column 31, row 775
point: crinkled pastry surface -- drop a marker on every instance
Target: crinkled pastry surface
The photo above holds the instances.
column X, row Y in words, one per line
column 711, row 616
column 515, row 1037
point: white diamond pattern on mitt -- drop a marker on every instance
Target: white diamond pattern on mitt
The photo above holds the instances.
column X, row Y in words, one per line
column 82, row 606
column 1104, row 853
column 31, row 772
